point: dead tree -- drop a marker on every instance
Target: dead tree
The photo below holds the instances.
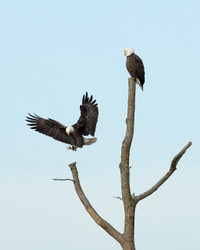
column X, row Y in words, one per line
column 125, row 239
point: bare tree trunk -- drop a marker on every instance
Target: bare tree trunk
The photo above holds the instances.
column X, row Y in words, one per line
column 125, row 239
column 128, row 202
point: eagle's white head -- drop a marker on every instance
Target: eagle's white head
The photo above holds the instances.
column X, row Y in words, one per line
column 128, row 51
column 69, row 130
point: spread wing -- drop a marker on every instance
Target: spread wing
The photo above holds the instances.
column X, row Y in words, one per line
column 89, row 116
column 48, row 127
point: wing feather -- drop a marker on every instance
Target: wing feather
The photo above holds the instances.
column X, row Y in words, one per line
column 48, row 127
column 89, row 115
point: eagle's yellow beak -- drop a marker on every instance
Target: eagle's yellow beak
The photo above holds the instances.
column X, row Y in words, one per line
column 124, row 53
column 68, row 133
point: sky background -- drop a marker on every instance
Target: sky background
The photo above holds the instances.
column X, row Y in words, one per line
column 51, row 53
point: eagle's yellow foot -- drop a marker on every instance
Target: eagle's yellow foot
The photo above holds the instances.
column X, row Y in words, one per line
column 72, row 148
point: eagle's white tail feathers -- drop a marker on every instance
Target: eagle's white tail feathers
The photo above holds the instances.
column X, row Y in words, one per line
column 89, row 141
column 138, row 82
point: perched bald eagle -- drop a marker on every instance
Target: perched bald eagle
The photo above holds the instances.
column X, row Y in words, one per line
column 72, row 135
column 135, row 66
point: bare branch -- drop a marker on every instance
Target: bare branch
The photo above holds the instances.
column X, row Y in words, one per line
column 178, row 156
column 101, row 222
column 117, row 198
column 166, row 176
column 56, row 179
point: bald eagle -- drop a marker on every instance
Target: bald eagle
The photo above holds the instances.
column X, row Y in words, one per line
column 135, row 66
column 72, row 135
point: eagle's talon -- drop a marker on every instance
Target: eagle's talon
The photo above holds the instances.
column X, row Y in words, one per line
column 73, row 148
column 69, row 147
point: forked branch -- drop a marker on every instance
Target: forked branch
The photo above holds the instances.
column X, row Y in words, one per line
column 166, row 176
column 129, row 201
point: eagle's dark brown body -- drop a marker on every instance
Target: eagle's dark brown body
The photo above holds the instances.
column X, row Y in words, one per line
column 135, row 68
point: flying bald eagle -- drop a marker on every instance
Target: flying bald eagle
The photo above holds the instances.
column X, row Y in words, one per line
column 72, row 135
column 135, row 66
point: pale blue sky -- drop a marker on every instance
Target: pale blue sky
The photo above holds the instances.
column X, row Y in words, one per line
column 54, row 51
